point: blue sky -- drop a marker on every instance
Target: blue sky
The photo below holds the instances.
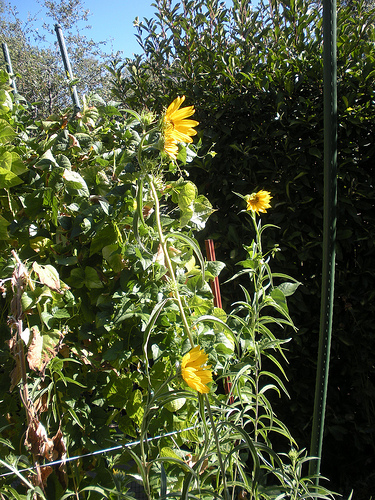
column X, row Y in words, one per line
column 111, row 20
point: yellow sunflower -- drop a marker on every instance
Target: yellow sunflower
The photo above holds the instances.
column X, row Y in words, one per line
column 170, row 147
column 258, row 202
column 194, row 370
column 176, row 127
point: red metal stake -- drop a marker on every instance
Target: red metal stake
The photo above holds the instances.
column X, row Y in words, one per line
column 210, row 251
column 215, row 287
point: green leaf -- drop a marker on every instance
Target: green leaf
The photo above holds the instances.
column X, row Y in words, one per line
column 6, row 160
column 8, row 179
column 186, row 197
column 315, row 152
column 3, row 228
column 75, row 417
column 193, row 244
column 288, row 288
column 85, row 141
column 6, row 442
column 110, row 110
column 175, row 404
column 112, row 254
column 106, row 236
column 214, row 267
column 134, row 407
column 279, row 297
column 46, row 160
column 76, row 278
column 75, row 184
column 202, row 211
column 168, row 452
column 64, row 162
column 92, row 279
column 7, row 134
column 224, row 344
column 200, row 305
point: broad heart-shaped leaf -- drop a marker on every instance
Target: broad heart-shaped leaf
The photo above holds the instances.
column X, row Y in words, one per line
column 186, row 197
column 202, row 211
column 112, row 255
column 134, row 407
column 8, row 179
column 7, row 133
column 186, row 216
column 6, row 159
column 46, row 160
column 214, row 267
column 10, row 160
column 63, row 161
column 199, row 305
column 106, row 236
column 224, row 343
column 17, row 166
column 75, row 184
column 109, row 110
column 118, row 393
column 4, row 79
column 6, row 103
column 85, row 141
column 92, row 279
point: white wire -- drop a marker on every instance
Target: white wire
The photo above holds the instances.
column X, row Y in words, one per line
column 106, row 450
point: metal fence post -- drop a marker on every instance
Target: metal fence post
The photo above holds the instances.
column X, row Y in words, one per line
column 329, row 229
column 68, row 69
column 8, row 63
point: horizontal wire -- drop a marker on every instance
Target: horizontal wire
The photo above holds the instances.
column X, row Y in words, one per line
column 98, row 452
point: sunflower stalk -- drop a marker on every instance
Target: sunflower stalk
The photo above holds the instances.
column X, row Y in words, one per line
column 257, row 282
column 217, row 444
column 168, row 263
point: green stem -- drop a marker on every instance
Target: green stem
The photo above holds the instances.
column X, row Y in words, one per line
column 168, row 264
column 257, row 281
column 140, row 148
column 217, row 443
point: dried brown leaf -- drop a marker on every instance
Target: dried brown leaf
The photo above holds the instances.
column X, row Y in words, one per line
column 59, row 453
column 41, row 478
column 48, row 276
column 41, row 404
column 15, row 375
column 34, row 352
column 37, row 440
column 42, row 349
column 159, row 256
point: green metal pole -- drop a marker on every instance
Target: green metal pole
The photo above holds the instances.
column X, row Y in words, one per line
column 68, row 68
column 8, row 63
column 329, row 230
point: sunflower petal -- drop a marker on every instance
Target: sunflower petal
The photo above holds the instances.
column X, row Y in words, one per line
column 194, row 370
column 176, row 126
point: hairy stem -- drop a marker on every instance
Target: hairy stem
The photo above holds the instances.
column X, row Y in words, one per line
column 168, row 264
